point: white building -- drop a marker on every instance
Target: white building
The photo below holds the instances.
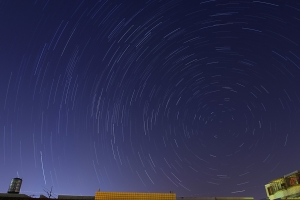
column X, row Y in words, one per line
column 285, row 187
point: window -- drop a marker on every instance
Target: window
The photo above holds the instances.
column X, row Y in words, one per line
column 270, row 190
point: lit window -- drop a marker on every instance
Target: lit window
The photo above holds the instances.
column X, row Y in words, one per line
column 270, row 190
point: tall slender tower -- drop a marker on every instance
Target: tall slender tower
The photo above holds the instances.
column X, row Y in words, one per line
column 15, row 186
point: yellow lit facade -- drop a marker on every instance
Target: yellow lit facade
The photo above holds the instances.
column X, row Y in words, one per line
column 284, row 187
column 134, row 196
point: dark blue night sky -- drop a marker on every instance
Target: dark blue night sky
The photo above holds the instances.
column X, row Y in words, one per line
column 199, row 97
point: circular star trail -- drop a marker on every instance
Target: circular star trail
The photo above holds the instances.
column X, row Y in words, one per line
column 201, row 98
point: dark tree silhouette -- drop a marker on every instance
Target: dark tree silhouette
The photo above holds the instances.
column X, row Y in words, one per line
column 49, row 193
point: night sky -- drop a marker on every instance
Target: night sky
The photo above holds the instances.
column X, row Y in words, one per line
column 198, row 97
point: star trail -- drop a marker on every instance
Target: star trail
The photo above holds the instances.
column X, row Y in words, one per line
column 198, row 97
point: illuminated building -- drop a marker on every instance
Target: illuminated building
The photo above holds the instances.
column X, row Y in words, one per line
column 134, row 196
column 287, row 187
column 121, row 196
